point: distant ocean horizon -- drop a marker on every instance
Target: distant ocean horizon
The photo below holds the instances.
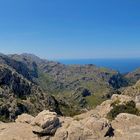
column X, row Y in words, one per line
column 121, row 65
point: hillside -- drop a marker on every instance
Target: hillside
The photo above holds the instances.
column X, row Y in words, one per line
column 68, row 89
column 133, row 76
column 74, row 86
column 133, row 91
column 49, row 100
column 18, row 93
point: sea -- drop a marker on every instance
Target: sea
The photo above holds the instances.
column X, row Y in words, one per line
column 121, row 65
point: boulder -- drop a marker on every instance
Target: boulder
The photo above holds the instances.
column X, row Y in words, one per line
column 75, row 130
column 62, row 133
column 95, row 128
column 104, row 108
column 91, row 125
column 16, row 131
column 127, row 127
column 24, row 118
column 90, row 128
column 121, row 98
column 138, row 106
column 137, row 99
column 45, row 123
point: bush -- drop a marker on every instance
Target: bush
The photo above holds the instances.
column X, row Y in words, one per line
column 129, row 107
column 115, row 103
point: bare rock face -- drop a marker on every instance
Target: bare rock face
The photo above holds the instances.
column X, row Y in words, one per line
column 16, row 131
column 104, row 108
column 133, row 91
column 89, row 128
column 121, row 98
column 92, row 125
column 95, row 128
column 45, row 123
column 107, row 105
column 27, row 127
column 24, row 118
column 127, row 127
column 138, row 106
column 137, row 99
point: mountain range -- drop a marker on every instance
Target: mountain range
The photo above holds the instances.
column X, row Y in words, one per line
column 29, row 84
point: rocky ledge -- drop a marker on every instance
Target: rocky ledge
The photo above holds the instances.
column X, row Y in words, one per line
column 92, row 125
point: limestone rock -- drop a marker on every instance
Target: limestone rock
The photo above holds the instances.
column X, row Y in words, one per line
column 91, row 125
column 106, row 106
column 45, row 123
column 121, row 98
column 127, row 127
column 95, row 128
column 138, row 106
column 84, row 129
column 24, row 118
column 16, row 131
column 137, row 99
column 133, row 91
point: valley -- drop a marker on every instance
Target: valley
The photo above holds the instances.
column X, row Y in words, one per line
column 47, row 98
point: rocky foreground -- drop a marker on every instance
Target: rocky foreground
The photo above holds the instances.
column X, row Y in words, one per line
column 92, row 125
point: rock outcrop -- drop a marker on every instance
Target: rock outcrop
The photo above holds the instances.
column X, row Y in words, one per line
column 107, row 105
column 88, row 128
column 19, row 94
column 133, row 91
column 24, row 118
column 45, row 123
column 92, row 125
column 16, row 131
column 127, row 127
column 27, row 127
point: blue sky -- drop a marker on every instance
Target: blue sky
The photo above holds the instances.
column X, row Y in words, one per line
column 57, row 29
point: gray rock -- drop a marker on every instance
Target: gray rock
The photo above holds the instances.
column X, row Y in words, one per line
column 24, row 118
column 45, row 123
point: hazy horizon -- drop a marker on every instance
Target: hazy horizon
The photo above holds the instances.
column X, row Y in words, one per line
column 59, row 59
column 123, row 65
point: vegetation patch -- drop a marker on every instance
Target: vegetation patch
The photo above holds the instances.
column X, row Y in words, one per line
column 94, row 100
column 129, row 107
column 115, row 103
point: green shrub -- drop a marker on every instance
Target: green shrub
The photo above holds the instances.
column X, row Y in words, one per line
column 129, row 107
column 32, row 99
column 3, row 119
column 115, row 103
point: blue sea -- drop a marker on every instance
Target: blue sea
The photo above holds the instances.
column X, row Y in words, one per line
column 121, row 65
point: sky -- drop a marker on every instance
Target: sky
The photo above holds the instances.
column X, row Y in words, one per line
column 71, row 29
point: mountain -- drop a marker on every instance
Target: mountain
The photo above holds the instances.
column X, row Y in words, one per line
column 133, row 76
column 66, row 101
column 31, row 84
column 133, row 91
column 74, row 86
column 18, row 92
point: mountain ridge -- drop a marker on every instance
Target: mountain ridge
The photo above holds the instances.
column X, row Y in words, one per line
column 68, row 90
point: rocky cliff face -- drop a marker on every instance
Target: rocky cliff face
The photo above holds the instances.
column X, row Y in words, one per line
column 18, row 92
column 133, row 91
column 133, row 76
